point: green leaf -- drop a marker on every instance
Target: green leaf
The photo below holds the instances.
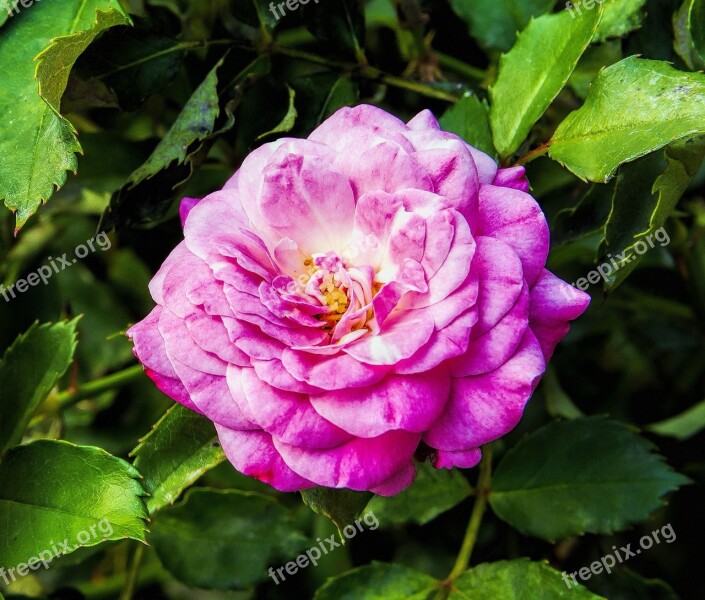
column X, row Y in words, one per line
column 29, row 370
column 495, row 23
column 287, row 123
column 379, row 581
column 534, row 72
column 42, row 143
column 519, row 579
column 469, row 118
column 645, row 195
column 341, row 23
column 151, row 189
column 224, row 539
column 55, row 62
column 71, row 489
column 342, row 506
column 683, row 426
column 621, row 17
column 181, row 447
column 586, row 475
column 433, row 492
column 633, row 108
column 558, row 403
column 696, row 24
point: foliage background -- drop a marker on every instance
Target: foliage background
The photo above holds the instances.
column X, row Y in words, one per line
column 165, row 98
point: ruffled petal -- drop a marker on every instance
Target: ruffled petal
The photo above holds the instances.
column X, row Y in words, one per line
column 411, row 403
column 515, row 218
column 253, row 454
column 360, row 464
column 486, row 407
column 553, row 304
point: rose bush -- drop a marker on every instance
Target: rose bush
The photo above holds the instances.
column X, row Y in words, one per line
column 349, row 297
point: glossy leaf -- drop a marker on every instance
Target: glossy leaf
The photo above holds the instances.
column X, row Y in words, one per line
column 586, row 475
column 379, row 581
column 181, row 447
column 318, row 96
column 433, row 492
column 683, row 37
column 342, row 506
column 72, row 488
column 519, row 579
column 29, row 370
column 633, row 108
column 495, row 23
column 224, row 539
column 534, row 72
column 43, row 144
column 469, row 118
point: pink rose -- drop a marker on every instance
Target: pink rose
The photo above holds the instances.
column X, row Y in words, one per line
column 346, row 297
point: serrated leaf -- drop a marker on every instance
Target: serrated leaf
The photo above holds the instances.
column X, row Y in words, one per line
column 433, row 492
column 29, row 370
column 379, row 581
column 586, row 475
column 469, row 118
column 683, row 426
column 534, row 72
column 42, row 144
column 342, row 506
column 645, row 195
column 621, row 17
column 519, row 579
column 634, row 107
column 224, row 539
column 495, row 23
column 71, row 489
column 151, row 189
column 181, row 447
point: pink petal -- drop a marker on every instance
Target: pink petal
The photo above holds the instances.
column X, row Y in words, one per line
column 360, row 464
column 553, row 304
column 253, row 454
column 288, row 416
column 411, row 403
column 464, row 459
column 513, row 177
column 515, row 218
column 486, row 407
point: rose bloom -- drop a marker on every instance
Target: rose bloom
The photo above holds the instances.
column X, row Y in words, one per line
column 349, row 299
